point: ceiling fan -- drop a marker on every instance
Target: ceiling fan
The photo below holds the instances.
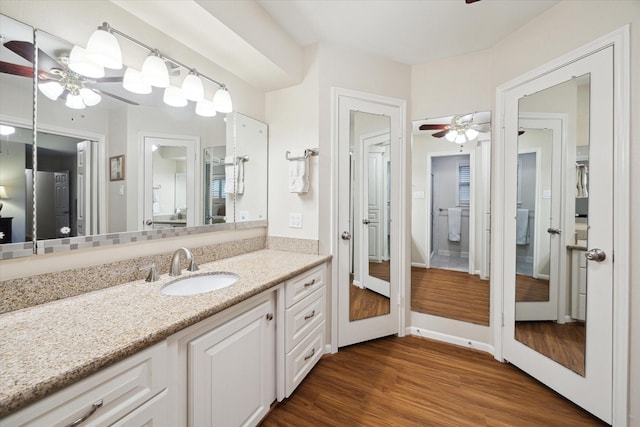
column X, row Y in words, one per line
column 56, row 79
column 461, row 128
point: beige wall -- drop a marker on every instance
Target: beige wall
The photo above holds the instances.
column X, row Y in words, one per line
column 565, row 27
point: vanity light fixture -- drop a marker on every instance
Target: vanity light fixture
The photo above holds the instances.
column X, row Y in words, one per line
column 155, row 72
column 80, row 63
column 192, row 87
column 133, row 82
column 104, row 49
column 205, row 108
column 173, row 97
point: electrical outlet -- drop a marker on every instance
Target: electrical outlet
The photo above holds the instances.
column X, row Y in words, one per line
column 295, row 220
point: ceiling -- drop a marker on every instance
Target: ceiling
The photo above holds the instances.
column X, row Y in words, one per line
column 406, row 31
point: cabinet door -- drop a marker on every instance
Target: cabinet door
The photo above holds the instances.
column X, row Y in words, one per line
column 232, row 370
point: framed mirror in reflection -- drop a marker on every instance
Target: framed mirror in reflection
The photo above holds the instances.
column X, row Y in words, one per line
column 552, row 222
column 78, row 139
column 450, row 217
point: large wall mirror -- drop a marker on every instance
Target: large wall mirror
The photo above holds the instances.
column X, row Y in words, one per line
column 450, row 217
column 114, row 161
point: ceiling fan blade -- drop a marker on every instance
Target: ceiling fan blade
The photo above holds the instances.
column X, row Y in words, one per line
column 441, row 133
column 115, row 79
column 119, row 98
column 433, row 127
column 15, row 69
column 25, row 50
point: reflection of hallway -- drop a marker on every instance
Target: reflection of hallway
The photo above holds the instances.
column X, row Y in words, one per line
column 450, row 262
column 451, row 294
column 564, row 343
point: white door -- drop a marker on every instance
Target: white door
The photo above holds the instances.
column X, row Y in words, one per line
column 61, row 201
column 83, row 191
column 171, row 184
column 592, row 109
column 358, row 118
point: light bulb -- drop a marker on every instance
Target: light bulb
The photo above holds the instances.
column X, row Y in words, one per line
column 89, row 97
column 173, row 97
column 51, row 90
column 134, row 83
column 154, row 71
column 451, row 135
column 104, row 49
column 7, row 130
column 205, row 108
column 461, row 138
column 74, row 101
column 82, row 64
column 222, row 100
column 192, row 87
column 471, row 134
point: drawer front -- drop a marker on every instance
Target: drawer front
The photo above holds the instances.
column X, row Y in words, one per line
column 303, row 358
column 153, row 413
column 304, row 284
column 121, row 388
column 303, row 317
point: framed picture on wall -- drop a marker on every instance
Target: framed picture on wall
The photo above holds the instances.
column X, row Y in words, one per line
column 116, row 166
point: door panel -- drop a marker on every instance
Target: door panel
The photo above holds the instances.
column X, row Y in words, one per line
column 367, row 288
column 590, row 120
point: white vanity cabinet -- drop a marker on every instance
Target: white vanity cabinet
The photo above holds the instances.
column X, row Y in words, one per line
column 132, row 389
column 232, row 370
column 578, row 284
column 304, row 326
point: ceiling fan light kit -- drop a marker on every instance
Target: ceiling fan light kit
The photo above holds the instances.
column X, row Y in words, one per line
column 89, row 97
column 74, row 101
column 51, row 90
column 205, row 108
column 81, row 63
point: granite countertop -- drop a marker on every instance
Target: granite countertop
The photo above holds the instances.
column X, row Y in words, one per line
column 49, row 346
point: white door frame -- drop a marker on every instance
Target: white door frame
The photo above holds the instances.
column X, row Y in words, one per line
column 472, row 204
column 620, row 39
column 402, row 225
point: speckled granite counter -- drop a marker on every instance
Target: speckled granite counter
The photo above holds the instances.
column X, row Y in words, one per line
column 47, row 347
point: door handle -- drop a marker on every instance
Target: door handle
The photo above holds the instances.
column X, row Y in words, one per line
column 552, row 230
column 148, row 222
column 346, row 235
column 595, row 254
column 365, row 221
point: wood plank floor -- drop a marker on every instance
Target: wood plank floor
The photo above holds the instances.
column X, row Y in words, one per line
column 530, row 289
column 414, row 381
column 451, row 294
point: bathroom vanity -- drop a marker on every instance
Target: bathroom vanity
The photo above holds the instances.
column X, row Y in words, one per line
column 129, row 355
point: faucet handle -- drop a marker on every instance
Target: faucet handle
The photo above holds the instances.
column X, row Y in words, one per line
column 153, row 273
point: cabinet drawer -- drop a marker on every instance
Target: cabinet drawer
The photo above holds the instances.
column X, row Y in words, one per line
column 121, row 388
column 303, row 317
column 303, row 358
column 304, row 284
column 153, row 413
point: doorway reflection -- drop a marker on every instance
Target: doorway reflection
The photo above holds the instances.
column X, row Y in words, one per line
column 370, row 205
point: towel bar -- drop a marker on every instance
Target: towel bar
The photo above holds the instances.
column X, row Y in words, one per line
column 238, row 159
column 307, row 152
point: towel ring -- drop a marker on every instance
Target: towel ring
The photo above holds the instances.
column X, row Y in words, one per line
column 307, row 153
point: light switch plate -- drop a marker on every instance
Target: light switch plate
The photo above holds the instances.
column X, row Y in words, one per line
column 295, row 220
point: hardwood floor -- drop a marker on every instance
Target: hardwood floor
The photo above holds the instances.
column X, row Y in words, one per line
column 414, row 381
column 364, row 303
column 530, row 289
column 451, row 294
column 564, row 343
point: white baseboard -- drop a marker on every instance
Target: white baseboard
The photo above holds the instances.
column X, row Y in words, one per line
column 358, row 284
column 411, row 330
column 418, row 264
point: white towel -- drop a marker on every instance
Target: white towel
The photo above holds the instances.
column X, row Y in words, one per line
column 234, row 175
column 581, row 182
column 298, row 172
column 455, row 219
column 522, row 227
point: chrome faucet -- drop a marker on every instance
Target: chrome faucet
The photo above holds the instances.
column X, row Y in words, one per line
column 175, row 262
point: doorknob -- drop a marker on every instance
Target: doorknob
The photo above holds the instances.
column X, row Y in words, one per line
column 365, row 221
column 346, row 235
column 148, row 222
column 595, row 255
column 552, row 230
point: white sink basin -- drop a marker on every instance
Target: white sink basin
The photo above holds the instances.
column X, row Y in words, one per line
column 199, row 284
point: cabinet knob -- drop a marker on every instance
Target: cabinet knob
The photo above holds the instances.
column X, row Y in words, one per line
column 269, row 316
